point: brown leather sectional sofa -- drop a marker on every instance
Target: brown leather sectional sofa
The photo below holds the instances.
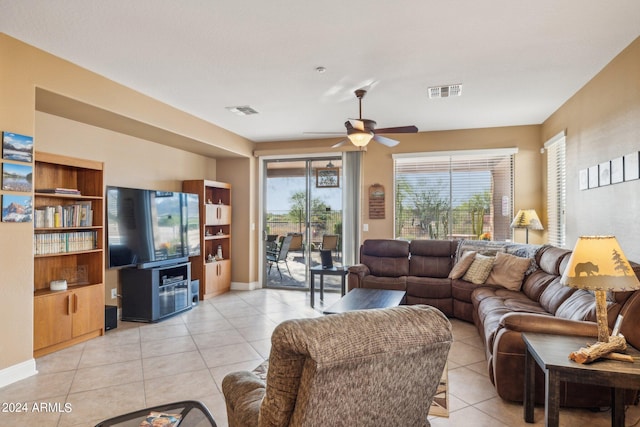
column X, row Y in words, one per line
column 421, row 268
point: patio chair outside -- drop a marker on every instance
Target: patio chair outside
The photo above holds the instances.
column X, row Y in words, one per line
column 297, row 243
column 329, row 243
column 277, row 254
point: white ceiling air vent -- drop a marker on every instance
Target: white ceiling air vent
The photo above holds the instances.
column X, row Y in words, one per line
column 242, row 110
column 445, row 91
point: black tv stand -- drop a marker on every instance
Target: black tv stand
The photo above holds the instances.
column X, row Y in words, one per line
column 153, row 294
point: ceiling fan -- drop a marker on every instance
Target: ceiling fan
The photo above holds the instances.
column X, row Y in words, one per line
column 361, row 131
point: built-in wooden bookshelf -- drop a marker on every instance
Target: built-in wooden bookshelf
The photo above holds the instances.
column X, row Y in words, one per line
column 68, row 245
column 213, row 271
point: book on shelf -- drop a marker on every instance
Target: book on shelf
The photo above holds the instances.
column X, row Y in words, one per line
column 59, row 190
column 60, row 243
column 74, row 215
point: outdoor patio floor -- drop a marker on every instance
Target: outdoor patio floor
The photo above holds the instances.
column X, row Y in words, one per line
column 296, row 276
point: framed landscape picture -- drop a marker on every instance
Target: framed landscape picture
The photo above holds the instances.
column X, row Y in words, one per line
column 17, row 177
column 16, row 208
column 327, row 177
column 17, row 147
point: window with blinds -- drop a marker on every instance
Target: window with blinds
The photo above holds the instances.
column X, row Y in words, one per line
column 556, row 189
column 461, row 194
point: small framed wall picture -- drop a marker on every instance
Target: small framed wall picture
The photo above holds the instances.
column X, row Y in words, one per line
column 17, row 147
column 17, row 177
column 604, row 173
column 617, row 170
column 327, row 177
column 631, row 167
column 16, row 208
column 583, row 179
column 593, row 177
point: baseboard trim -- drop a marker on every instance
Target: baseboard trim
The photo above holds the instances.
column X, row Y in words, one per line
column 17, row 372
column 244, row 286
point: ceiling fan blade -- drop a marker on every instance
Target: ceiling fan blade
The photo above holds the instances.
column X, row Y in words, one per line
column 340, row 144
column 355, row 124
column 385, row 141
column 399, row 129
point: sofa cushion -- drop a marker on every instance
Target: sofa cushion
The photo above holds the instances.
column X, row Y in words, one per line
column 431, row 258
column 549, row 259
column 380, row 282
column 554, row 295
column 386, row 258
column 463, row 264
column 581, row 305
column 428, row 287
column 535, row 283
column 508, row 271
column 490, row 304
column 479, row 269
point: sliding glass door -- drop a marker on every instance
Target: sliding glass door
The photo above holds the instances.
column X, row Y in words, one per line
column 302, row 213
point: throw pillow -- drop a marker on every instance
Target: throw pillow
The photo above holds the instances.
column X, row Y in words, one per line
column 508, row 271
column 462, row 265
column 479, row 269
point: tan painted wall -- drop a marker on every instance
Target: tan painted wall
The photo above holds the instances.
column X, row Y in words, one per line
column 129, row 161
column 240, row 174
column 24, row 69
column 602, row 121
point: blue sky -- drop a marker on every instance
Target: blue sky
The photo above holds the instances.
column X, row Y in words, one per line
column 280, row 190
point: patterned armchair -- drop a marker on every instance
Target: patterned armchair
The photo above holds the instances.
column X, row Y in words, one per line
column 362, row 368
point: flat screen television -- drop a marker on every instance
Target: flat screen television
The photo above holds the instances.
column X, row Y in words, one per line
column 150, row 228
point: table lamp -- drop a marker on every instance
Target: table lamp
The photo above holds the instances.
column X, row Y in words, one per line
column 598, row 264
column 527, row 219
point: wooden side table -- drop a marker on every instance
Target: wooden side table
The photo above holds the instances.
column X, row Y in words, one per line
column 551, row 353
column 333, row 271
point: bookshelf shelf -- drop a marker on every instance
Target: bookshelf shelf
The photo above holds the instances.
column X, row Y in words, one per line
column 64, row 318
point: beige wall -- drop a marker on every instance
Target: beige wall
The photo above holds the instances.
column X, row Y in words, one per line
column 240, row 173
column 26, row 69
column 129, row 161
column 602, row 122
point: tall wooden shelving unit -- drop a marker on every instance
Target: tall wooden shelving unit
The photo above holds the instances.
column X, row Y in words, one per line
column 66, row 317
column 214, row 273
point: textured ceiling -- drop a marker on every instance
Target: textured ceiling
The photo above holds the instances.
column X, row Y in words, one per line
column 518, row 61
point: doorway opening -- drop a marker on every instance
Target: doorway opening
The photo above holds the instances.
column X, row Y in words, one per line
column 302, row 215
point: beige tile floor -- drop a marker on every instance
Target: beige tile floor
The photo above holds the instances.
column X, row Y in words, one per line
column 185, row 357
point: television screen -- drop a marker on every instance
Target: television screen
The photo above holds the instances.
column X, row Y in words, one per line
column 146, row 228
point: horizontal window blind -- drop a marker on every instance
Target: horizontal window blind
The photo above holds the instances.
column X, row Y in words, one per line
column 556, row 190
column 454, row 195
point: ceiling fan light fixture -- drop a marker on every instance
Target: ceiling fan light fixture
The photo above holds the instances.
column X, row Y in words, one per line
column 359, row 138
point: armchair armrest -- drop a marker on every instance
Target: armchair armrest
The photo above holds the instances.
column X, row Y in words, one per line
column 530, row 322
column 243, row 392
column 356, row 273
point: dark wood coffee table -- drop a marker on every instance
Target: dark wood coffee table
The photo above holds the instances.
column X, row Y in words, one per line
column 366, row 299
